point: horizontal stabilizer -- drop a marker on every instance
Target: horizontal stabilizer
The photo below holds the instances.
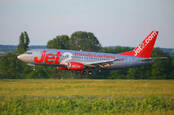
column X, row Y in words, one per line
column 154, row 58
column 159, row 58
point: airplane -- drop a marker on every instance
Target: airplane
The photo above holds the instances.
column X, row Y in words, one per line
column 88, row 61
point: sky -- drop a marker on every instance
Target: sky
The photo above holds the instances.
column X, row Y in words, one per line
column 113, row 22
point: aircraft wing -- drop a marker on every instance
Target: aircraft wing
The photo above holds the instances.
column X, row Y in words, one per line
column 101, row 64
column 154, row 58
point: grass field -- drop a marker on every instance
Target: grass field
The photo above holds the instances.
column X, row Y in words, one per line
column 87, row 97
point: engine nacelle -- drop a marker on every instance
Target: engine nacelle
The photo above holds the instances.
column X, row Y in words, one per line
column 62, row 68
column 76, row 66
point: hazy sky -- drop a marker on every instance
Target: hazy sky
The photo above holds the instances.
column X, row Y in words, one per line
column 114, row 22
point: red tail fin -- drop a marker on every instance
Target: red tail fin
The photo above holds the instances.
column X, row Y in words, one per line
column 145, row 48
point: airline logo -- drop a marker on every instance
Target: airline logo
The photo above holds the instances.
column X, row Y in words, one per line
column 139, row 48
column 48, row 58
column 145, row 43
column 68, row 57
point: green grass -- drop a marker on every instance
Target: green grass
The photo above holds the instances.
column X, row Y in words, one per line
column 85, row 97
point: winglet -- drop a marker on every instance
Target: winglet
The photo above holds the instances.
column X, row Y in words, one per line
column 145, row 48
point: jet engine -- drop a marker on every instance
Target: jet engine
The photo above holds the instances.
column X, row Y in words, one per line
column 75, row 66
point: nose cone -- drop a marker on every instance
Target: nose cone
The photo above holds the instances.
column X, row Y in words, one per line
column 23, row 57
column 19, row 57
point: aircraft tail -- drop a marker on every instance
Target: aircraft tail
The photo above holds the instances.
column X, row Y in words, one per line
column 145, row 48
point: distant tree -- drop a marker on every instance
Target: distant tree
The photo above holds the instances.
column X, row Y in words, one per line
column 39, row 72
column 118, row 74
column 23, row 43
column 10, row 66
column 117, row 49
column 143, row 72
column 60, row 42
column 107, row 50
column 84, row 41
column 172, row 70
column 161, row 68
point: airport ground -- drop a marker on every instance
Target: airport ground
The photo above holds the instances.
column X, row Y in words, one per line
column 86, row 97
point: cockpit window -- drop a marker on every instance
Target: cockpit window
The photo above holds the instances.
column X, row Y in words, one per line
column 28, row 52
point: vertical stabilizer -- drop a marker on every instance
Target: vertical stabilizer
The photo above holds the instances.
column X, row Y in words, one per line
column 145, row 48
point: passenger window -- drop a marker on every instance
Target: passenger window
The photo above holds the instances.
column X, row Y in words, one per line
column 29, row 53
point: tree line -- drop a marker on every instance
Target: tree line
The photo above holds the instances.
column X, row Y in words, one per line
column 11, row 67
